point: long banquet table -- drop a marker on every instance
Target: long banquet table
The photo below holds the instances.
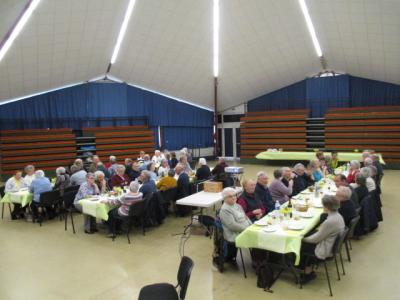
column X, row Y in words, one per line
column 277, row 237
column 297, row 155
column 23, row 197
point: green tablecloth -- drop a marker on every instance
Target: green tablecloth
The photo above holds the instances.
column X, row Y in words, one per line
column 22, row 197
column 289, row 155
column 95, row 208
column 283, row 240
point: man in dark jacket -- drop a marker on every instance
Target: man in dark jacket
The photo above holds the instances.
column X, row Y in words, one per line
column 148, row 185
column 301, row 180
column 262, row 193
column 183, row 182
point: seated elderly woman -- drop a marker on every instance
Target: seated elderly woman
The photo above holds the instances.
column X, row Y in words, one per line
column 279, row 191
column 101, row 182
column 151, row 167
column 164, row 168
column 120, row 179
column 30, row 174
column 78, row 175
column 233, row 220
column 13, row 184
column 148, row 185
column 347, row 208
column 360, row 187
column 318, row 172
column 88, row 188
column 183, row 160
column 203, row 172
column 130, row 198
column 157, row 157
column 252, row 205
column 354, row 170
column 167, row 182
column 320, row 243
column 62, row 180
column 219, row 169
column 38, row 186
column 370, row 183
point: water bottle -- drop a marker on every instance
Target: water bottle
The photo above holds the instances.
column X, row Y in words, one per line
column 277, row 209
column 316, row 190
column 348, row 167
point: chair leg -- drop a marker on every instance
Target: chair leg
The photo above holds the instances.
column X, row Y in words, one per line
column 65, row 220
column 113, row 230
column 128, row 232
column 143, row 226
column 2, row 210
column 241, row 258
column 72, row 222
column 337, row 267
column 341, row 261
column 351, row 247
column 9, row 208
column 327, row 278
column 347, row 250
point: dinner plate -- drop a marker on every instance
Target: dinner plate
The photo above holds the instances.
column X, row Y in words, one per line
column 269, row 229
column 261, row 223
column 306, row 214
column 295, row 226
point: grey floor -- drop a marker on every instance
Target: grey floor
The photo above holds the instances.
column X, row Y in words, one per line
column 49, row 263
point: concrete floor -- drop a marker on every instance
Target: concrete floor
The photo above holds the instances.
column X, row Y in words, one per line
column 49, row 263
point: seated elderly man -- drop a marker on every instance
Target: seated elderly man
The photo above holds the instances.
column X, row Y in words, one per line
column 113, row 164
column 30, row 174
column 340, row 180
column 120, row 179
column 262, row 191
column 233, row 220
column 78, row 175
column 148, row 185
column 347, row 209
column 88, row 188
column 182, row 182
column 279, row 191
column 252, row 206
column 301, row 180
column 321, row 242
column 13, row 184
column 38, row 186
column 167, row 182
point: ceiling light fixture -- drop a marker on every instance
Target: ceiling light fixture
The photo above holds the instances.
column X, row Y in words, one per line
column 310, row 26
column 216, row 38
column 18, row 27
column 122, row 31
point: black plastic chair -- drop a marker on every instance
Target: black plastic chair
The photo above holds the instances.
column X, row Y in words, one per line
column 169, row 197
column 137, row 211
column 167, row 291
column 68, row 207
column 48, row 200
column 350, row 235
column 72, row 188
column 2, row 193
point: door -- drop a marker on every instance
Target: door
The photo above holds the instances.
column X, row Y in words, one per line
column 237, row 142
column 228, row 141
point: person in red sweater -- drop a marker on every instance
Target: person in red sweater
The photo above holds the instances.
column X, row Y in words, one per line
column 219, row 168
column 120, row 179
column 354, row 170
column 252, row 205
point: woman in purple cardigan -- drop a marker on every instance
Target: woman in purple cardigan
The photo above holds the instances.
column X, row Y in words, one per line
column 279, row 191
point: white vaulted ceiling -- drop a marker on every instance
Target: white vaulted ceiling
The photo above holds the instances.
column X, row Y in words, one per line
column 264, row 45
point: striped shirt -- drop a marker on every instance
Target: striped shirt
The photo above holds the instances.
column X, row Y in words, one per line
column 126, row 201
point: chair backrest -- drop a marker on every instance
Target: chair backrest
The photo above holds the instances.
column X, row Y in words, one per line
column 169, row 195
column 49, row 198
column 72, row 188
column 2, row 193
column 68, row 198
column 184, row 272
column 137, row 209
column 358, row 210
column 352, row 226
column 337, row 246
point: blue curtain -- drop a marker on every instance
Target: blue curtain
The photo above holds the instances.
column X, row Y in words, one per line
column 326, row 92
column 192, row 137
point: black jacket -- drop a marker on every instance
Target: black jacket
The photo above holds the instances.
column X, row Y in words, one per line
column 262, row 193
column 300, row 183
column 348, row 211
column 203, row 173
column 183, row 185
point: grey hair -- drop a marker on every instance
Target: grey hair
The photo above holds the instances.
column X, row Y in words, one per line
column 368, row 161
column 29, row 168
column 121, row 167
column 134, row 186
column 373, row 169
column 202, row 161
column 366, row 172
column 278, row 173
column 78, row 162
column 355, row 163
column 227, row 191
column 97, row 173
column 360, row 179
column 89, row 174
column 298, row 166
column 261, row 174
column 39, row 173
column 314, row 162
column 113, row 158
column 75, row 168
column 60, row 170
column 171, row 172
column 330, row 203
column 345, row 191
column 146, row 175
column 164, row 160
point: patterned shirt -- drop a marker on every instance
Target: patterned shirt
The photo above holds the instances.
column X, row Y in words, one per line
column 86, row 190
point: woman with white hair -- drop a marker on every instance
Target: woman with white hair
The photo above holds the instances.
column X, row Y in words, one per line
column 13, row 184
column 38, row 186
column 132, row 197
column 120, row 179
column 164, row 168
column 30, row 174
column 62, row 181
column 101, row 182
column 370, row 183
column 157, row 157
column 233, row 219
column 203, row 172
column 354, row 170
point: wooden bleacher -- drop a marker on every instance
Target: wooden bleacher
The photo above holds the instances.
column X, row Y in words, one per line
column 121, row 141
column 373, row 127
column 47, row 149
column 284, row 129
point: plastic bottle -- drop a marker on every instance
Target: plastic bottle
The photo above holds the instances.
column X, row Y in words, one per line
column 316, row 190
column 277, row 209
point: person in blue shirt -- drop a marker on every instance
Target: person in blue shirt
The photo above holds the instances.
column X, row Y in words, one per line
column 38, row 186
column 148, row 185
column 317, row 172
